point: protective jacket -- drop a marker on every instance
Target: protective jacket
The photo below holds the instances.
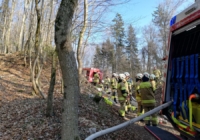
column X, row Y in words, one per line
column 157, row 73
column 147, row 94
column 113, row 83
column 138, row 95
column 107, row 81
column 130, row 84
column 122, row 90
column 96, row 78
column 153, row 84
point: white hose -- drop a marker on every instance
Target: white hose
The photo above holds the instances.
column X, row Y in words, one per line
column 127, row 123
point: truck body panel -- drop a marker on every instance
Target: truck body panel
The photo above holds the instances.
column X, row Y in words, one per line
column 89, row 73
column 182, row 72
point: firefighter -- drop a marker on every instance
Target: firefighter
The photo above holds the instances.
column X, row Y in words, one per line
column 129, row 85
column 138, row 94
column 106, row 83
column 96, row 79
column 100, row 85
column 157, row 74
column 152, row 81
column 122, row 91
column 153, row 84
column 148, row 99
column 129, row 81
column 114, row 86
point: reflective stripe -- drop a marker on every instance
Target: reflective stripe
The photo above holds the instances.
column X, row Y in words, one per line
column 133, row 108
column 138, row 98
column 122, row 113
column 123, row 88
column 147, row 118
column 138, row 87
column 148, row 101
column 154, row 119
column 125, row 95
column 145, row 85
column 121, row 98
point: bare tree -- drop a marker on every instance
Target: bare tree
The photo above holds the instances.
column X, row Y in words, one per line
column 49, row 24
column 27, row 46
column 20, row 42
column 8, row 28
column 161, row 18
column 49, row 110
column 36, row 69
column 63, row 25
column 150, row 39
column 81, row 35
column 5, row 20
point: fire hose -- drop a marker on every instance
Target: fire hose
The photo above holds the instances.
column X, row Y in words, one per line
column 122, row 125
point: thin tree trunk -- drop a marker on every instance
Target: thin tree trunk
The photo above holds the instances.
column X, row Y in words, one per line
column 49, row 110
column 79, row 58
column 7, row 43
column 20, row 44
column 27, row 46
column 69, row 69
column 36, row 70
column 49, row 22
column 3, row 34
column 42, row 26
column 4, row 17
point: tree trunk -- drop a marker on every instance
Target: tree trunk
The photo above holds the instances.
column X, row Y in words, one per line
column 69, row 70
column 36, row 70
column 49, row 26
column 49, row 110
column 20, row 42
column 7, row 43
column 4, row 19
column 27, row 46
column 81, row 38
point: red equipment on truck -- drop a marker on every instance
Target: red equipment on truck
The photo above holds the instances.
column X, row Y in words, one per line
column 90, row 73
column 182, row 74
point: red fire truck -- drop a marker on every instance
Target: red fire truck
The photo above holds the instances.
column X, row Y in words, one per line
column 89, row 73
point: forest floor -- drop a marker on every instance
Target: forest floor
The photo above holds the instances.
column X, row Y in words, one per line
column 22, row 115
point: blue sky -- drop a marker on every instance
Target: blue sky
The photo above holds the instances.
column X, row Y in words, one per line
column 136, row 12
column 139, row 12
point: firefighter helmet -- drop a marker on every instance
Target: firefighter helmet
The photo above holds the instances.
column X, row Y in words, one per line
column 126, row 74
column 139, row 76
column 122, row 76
column 152, row 77
column 146, row 74
column 114, row 74
column 145, row 77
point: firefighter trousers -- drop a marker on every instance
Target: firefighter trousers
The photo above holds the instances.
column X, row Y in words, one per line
column 140, row 109
column 153, row 118
column 114, row 95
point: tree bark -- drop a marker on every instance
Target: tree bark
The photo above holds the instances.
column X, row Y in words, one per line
column 49, row 22
column 20, row 44
column 49, row 110
column 36, row 70
column 7, row 43
column 4, row 19
column 27, row 46
column 81, row 39
column 69, row 69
